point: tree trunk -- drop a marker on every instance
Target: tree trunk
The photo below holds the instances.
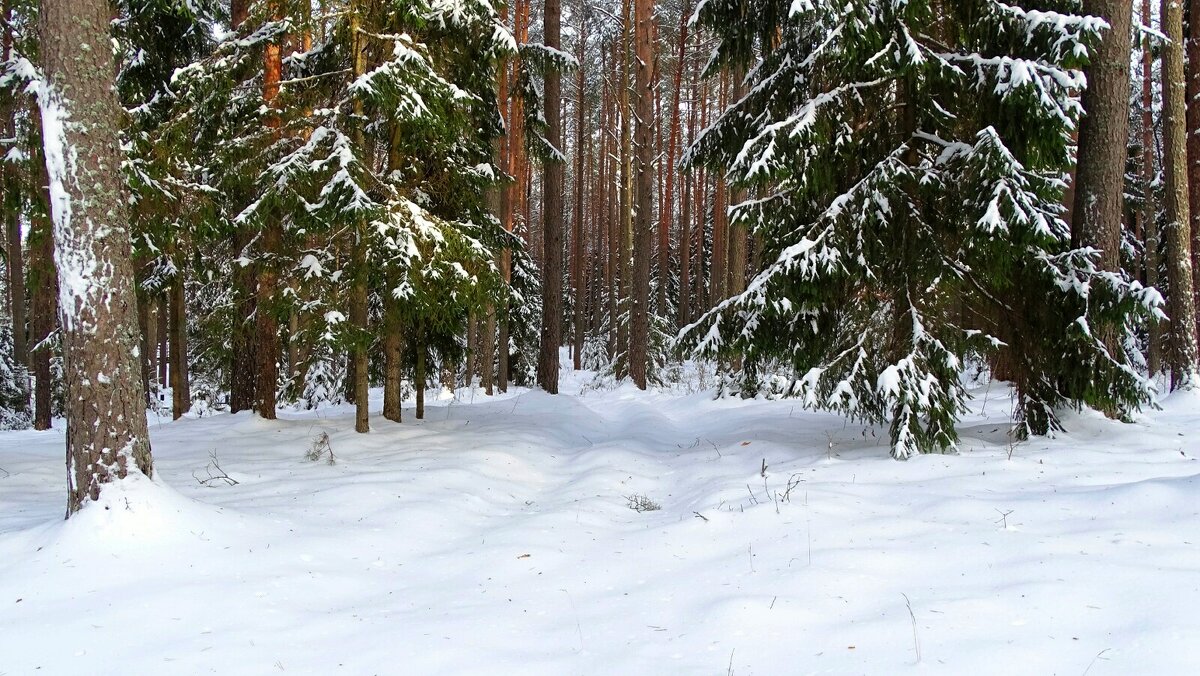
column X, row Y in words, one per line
column 420, row 384
column 668, row 204
column 639, row 333
column 15, row 261
column 552, row 218
column 1179, row 258
column 43, row 284
column 359, row 270
column 580, row 181
column 181, row 396
column 739, row 233
column 719, row 270
column 106, row 415
column 392, row 361
column 472, row 349
column 1103, row 134
column 1150, row 210
column 163, row 332
column 625, row 242
column 267, row 324
column 1193, row 142
column 244, row 364
column 1103, row 145
column 145, row 354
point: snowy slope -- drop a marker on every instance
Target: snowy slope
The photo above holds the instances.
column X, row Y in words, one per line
column 495, row 537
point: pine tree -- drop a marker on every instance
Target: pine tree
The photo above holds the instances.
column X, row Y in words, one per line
column 911, row 162
column 106, row 422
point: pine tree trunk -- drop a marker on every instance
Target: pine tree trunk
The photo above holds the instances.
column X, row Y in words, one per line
column 244, row 366
column 580, row 181
column 1150, row 209
column 15, row 266
column 243, row 370
column 181, row 396
column 358, row 265
column 1103, row 145
column 43, row 284
column 163, row 332
column 625, row 233
column 612, row 268
column 639, row 330
column 419, row 375
column 666, row 212
column 145, row 329
column 719, row 271
column 267, row 324
column 15, row 257
column 106, row 414
column 472, row 349
column 1179, row 255
column 739, row 233
column 552, row 218
column 392, row 361
column 703, row 282
column 1103, row 134
column 1193, row 142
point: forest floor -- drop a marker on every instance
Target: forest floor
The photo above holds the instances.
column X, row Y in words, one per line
column 498, row 536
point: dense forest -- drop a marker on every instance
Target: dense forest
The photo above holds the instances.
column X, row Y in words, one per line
column 861, row 205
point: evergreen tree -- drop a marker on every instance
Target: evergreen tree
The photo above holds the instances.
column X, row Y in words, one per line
column 910, row 160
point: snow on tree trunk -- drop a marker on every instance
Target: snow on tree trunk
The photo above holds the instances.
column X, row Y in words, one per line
column 106, row 415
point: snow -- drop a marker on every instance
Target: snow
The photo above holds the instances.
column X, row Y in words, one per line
column 495, row 537
column 79, row 273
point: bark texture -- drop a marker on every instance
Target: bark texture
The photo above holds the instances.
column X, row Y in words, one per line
column 552, row 218
column 1103, row 135
column 639, row 324
column 1181, row 305
column 106, row 415
column 1150, row 207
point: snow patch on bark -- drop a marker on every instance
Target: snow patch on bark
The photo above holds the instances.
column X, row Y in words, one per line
column 78, row 270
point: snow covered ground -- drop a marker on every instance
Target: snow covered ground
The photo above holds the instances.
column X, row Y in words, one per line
column 496, row 537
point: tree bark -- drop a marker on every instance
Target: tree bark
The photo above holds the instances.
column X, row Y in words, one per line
column 666, row 212
column 1179, row 256
column 163, row 332
column 392, row 361
column 719, row 269
column 580, row 181
column 106, row 436
column 639, row 332
column 181, row 396
column 15, row 262
column 1103, row 135
column 419, row 376
column 625, row 234
column 552, row 217
column 359, row 271
column 1150, row 208
column 1193, row 142
column 267, row 324
column 43, row 283
column 739, row 232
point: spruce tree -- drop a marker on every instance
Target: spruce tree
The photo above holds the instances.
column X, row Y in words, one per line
column 909, row 158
